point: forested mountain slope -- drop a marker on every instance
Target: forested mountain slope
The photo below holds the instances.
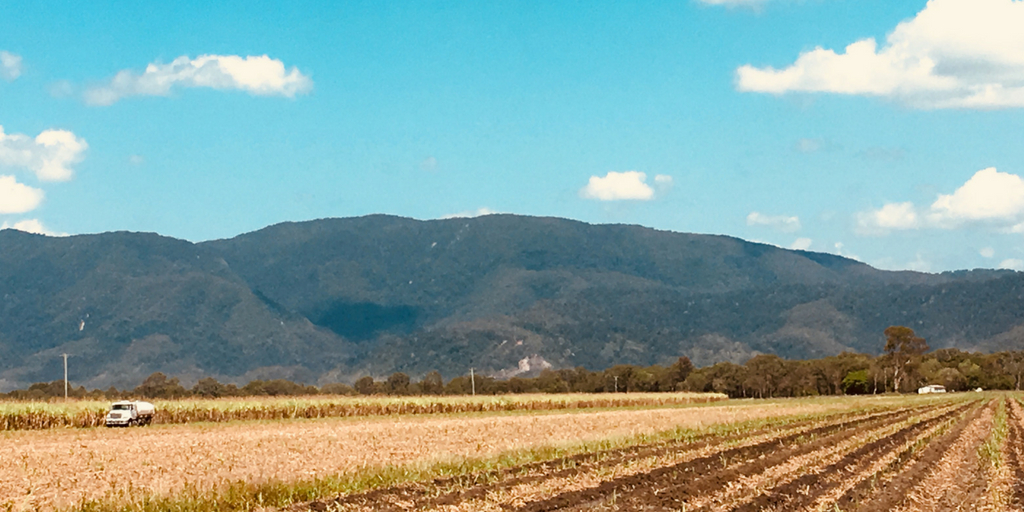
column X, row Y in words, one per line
column 336, row 298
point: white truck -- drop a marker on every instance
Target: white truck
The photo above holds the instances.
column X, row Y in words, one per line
column 126, row 414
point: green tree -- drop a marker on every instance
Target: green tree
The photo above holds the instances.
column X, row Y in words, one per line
column 209, row 387
column 337, row 388
column 764, row 374
column 857, row 382
column 677, row 374
column 832, row 371
column 432, row 383
column 951, row 378
column 1012, row 364
column 398, row 384
column 365, row 385
column 159, row 385
column 903, row 347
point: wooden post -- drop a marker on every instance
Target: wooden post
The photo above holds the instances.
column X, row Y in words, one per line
column 65, row 377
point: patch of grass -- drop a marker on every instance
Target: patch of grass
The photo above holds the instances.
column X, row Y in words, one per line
column 990, row 452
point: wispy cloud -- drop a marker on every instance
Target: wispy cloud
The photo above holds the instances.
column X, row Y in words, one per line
column 31, row 226
column 801, row 244
column 814, row 145
column 953, row 54
column 1012, row 264
column 479, row 212
column 257, row 75
column 783, row 223
column 10, row 66
column 429, row 164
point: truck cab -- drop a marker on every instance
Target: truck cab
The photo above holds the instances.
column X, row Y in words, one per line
column 126, row 414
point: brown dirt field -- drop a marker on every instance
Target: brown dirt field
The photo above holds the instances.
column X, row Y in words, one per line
column 723, row 488
column 455, row 492
column 955, row 482
column 1014, row 454
column 56, row 468
column 921, row 458
column 812, row 487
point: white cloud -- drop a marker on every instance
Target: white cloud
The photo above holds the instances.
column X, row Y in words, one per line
column 258, row 75
column 479, row 212
column 49, row 155
column 618, row 186
column 801, row 244
column 839, row 250
column 61, row 89
column 663, row 183
column 1012, row 264
column 919, row 264
column 136, row 159
column 893, row 216
column 10, row 66
column 783, row 223
column 16, row 197
column 808, row 145
column 952, row 54
column 31, row 226
column 987, row 252
column 814, row 145
column 429, row 164
column 989, row 196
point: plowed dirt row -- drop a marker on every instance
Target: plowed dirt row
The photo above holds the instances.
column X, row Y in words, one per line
column 742, row 469
column 817, row 486
column 948, row 486
column 1014, row 454
column 696, row 486
column 452, row 492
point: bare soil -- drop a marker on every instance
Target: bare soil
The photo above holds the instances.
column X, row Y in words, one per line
column 870, row 461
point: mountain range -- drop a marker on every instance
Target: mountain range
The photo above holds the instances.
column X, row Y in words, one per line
column 334, row 299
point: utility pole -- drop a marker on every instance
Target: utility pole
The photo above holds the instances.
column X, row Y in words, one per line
column 616, row 383
column 472, row 381
column 65, row 377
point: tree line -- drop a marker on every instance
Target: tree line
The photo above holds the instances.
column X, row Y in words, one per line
column 905, row 365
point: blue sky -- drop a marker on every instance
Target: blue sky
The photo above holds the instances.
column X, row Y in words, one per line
column 755, row 119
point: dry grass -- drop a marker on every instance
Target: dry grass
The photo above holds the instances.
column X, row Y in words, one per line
column 89, row 413
column 61, row 468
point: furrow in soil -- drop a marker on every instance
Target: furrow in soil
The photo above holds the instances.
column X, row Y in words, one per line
column 675, row 485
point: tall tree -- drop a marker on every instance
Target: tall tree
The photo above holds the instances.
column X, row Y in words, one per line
column 903, row 347
column 1012, row 363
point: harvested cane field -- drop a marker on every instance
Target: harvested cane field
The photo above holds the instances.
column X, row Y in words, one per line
column 89, row 413
column 886, row 453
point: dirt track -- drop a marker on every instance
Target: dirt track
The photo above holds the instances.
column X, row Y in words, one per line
column 915, row 459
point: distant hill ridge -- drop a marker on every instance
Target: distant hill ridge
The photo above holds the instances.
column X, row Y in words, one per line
column 334, row 299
